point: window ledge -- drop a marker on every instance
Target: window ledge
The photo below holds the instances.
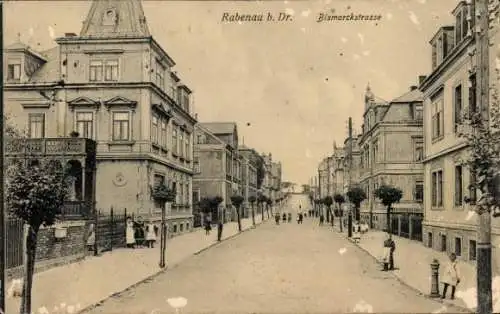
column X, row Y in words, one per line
column 437, row 139
column 164, row 149
column 175, row 154
column 121, row 143
column 156, row 145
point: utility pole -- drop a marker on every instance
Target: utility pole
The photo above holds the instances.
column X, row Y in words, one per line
column 3, row 233
column 349, row 182
column 483, row 268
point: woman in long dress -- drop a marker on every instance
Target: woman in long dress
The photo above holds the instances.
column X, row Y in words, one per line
column 129, row 233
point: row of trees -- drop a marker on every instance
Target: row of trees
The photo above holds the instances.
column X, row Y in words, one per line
column 387, row 194
column 211, row 205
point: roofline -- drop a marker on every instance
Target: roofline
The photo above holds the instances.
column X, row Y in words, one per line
column 441, row 30
column 28, row 50
column 117, row 39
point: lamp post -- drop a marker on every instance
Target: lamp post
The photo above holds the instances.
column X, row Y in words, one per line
column 3, row 235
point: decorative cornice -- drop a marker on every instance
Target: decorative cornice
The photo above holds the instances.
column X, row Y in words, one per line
column 120, row 101
column 103, row 51
column 35, row 104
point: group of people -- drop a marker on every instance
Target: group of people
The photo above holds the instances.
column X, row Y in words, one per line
column 140, row 234
column 208, row 227
column 287, row 217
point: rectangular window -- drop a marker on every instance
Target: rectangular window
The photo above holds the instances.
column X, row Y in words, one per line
column 111, row 70
column 163, row 132
column 181, row 228
column 186, row 143
column 472, row 95
column 84, row 124
column 95, row 70
column 437, row 119
column 443, row 243
column 121, row 130
column 175, row 228
column 174, row 139
column 36, row 125
column 160, row 76
column 186, row 194
column 154, row 129
column 185, row 101
column 419, row 191
column 181, row 143
column 437, row 188
column 458, row 247
column 419, row 151
column 472, row 250
column 458, row 28
column 196, row 164
column 159, row 180
column 445, row 45
column 14, row 71
column 174, row 188
column 465, row 24
column 457, row 106
column 472, row 188
column 429, row 240
column 458, row 186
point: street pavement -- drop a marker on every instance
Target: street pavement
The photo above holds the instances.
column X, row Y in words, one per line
column 286, row 268
column 85, row 283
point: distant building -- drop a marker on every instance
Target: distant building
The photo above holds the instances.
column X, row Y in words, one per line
column 391, row 146
column 113, row 83
column 218, row 170
column 249, row 178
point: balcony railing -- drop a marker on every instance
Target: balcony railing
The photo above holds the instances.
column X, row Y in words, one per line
column 50, row 146
column 75, row 210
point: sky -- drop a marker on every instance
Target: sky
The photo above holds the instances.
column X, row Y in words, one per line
column 295, row 83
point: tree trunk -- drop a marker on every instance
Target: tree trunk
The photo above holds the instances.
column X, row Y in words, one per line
column 262, row 210
column 238, row 217
column 163, row 239
column 253, row 215
column 331, row 214
column 358, row 214
column 30, row 239
column 341, row 222
column 388, row 217
column 267, row 210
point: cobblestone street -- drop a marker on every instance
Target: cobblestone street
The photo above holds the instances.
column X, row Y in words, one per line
column 287, row 268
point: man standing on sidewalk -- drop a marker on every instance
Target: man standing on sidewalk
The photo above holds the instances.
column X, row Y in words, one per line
column 389, row 248
column 220, row 227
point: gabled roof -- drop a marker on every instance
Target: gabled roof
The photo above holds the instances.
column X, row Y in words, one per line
column 410, row 96
column 220, row 127
column 20, row 46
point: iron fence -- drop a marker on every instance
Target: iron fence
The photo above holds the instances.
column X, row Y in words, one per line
column 14, row 239
column 110, row 229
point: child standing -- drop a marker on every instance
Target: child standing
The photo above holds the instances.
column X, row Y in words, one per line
column 150, row 235
column 451, row 276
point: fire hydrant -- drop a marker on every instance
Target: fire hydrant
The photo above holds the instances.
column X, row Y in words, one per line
column 435, row 279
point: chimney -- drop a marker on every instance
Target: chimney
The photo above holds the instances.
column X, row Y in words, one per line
column 421, row 79
column 70, row 34
column 413, row 87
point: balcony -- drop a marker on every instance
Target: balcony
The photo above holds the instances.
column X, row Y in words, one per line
column 50, row 146
column 75, row 210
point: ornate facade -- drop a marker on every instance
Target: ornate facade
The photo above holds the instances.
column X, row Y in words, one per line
column 113, row 83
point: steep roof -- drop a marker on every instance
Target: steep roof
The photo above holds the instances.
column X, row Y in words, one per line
column 115, row 19
column 410, row 96
column 49, row 72
column 220, row 127
column 18, row 45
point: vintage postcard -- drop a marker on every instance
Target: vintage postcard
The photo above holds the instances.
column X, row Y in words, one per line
column 322, row 156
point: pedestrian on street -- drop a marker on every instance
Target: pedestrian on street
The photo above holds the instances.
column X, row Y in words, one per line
column 150, row 235
column 301, row 218
column 389, row 248
column 277, row 218
column 220, row 227
column 321, row 220
column 289, row 217
column 208, row 225
column 91, row 238
column 129, row 233
column 284, row 217
column 451, row 276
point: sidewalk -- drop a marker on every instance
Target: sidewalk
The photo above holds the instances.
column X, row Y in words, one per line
column 94, row 279
column 412, row 262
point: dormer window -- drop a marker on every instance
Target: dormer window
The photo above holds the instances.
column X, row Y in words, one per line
column 461, row 23
column 14, row 71
column 458, row 27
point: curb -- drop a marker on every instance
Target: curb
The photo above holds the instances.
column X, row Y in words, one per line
column 438, row 300
column 158, row 273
